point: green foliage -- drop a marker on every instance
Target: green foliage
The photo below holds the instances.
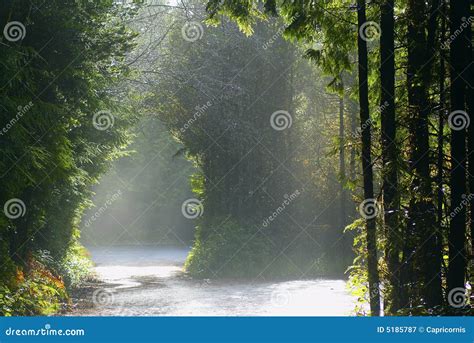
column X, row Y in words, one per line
column 67, row 69
column 231, row 251
column 7, row 267
column 219, row 107
column 76, row 266
column 215, row 98
column 42, row 288
column 198, row 184
column 413, row 240
column 358, row 281
column 227, row 249
column 37, row 292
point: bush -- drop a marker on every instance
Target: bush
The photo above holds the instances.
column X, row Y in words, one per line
column 228, row 250
column 38, row 292
column 7, row 266
column 231, row 250
column 76, row 265
column 41, row 287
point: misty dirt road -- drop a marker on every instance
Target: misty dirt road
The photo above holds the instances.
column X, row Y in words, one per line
column 148, row 281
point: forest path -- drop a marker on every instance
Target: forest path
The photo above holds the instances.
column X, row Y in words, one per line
column 148, row 281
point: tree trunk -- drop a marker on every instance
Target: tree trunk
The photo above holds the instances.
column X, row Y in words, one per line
column 422, row 210
column 346, row 245
column 442, row 113
column 367, row 162
column 391, row 201
column 352, row 158
column 458, row 63
column 433, row 273
column 470, row 161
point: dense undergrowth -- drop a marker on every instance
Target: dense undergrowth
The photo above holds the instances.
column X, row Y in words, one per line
column 232, row 250
column 42, row 285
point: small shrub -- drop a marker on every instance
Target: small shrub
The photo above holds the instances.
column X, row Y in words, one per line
column 76, row 266
column 39, row 292
column 41, row 288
